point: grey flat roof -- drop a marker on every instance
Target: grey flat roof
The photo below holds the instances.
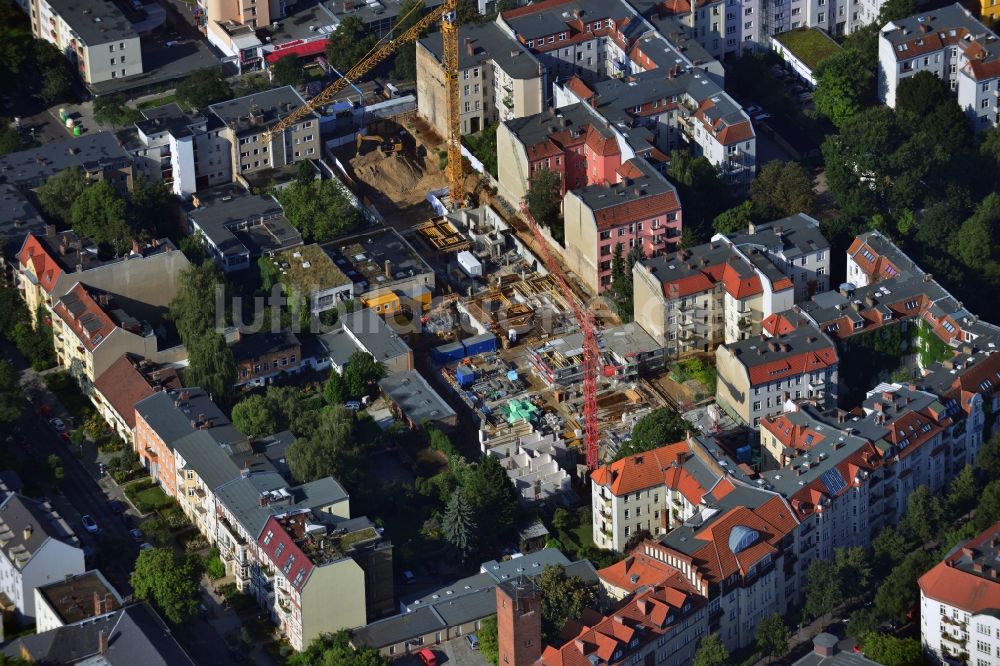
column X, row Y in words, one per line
column 89, row 152
column 399, row 628
column 168, row 118
column 377, row 337
column 799, row 234
column 18, row 217
column 170, row 414
column 242, row 497
column 489, row 43
column 95, row 21
column 551, row 18
column 415, row 397
column 370, row 13
column 534, row 129
column 650, row 184
column 236, row 221
column 273, row 104
column 362, row 257
column 339, row 346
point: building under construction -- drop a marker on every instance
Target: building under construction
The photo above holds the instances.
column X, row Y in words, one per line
column 626, row 352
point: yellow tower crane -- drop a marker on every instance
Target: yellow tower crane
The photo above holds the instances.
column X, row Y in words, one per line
column 448, row 17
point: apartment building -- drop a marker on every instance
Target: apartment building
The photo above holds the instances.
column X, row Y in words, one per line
column 129, row 380
column 51, row 264
column 74, row 599
column 244, row 121
column 639, row 208
column 499, row 79
column 414, row 401
column 320, row 560
column 95, row 35
column 262, row 356
column 954, row 46
column 167, row 416
column 39, row 548
column 989, row 10
column 91, row 330
column 626, row 351
column 723, row 291
column 757, row 376
column 185, row 150
column 99, row 156
column 958, row 601
column 655, row 491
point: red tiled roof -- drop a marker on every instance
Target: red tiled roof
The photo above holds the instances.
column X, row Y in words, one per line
column 274, row 539
column 648, row 469
column 123, row 385
column 303, row 50
column 636, row 210
column 536, row 7
column 45, row 268
column 579, row 88
column 799, row 364
column 961, row 589
column 91, row 325
column 602, row 145
column 790, row 434
column 778, row 324
column 772, row 520
column 738, row 286
column 645, row 616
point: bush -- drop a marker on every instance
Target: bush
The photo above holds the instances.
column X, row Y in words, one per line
column 214, row 567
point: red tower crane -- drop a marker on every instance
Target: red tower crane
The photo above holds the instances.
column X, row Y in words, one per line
column 591, row 352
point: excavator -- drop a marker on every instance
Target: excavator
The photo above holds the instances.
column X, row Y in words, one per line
column 388, row 145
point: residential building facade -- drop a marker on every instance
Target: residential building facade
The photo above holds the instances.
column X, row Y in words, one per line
column 128, row 381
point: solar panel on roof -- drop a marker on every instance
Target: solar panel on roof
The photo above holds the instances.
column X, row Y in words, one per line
column 833, row 481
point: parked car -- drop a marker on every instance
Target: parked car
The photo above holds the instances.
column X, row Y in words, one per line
column 409, row 578
column 57, row 424
column 136, row 534
column 473, row 641
column 116, row 507
column 89, row 524
column 751, row 109
column 427, row 657
column 136, row 5
column 353, row 405
column 146, row 546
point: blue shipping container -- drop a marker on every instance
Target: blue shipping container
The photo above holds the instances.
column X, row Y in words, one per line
column 465, row 375
column 480, row 344
column 449, row 353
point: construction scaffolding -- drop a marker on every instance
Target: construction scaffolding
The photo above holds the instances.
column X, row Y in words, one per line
column 442, row 236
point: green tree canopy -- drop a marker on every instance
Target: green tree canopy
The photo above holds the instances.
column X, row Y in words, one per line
column 203, row 87
column 253, row 416
column 98, row 213
column 893, row 10
column 169, row 582
column 772, row 636
column 335, row 389
column 988, row 459
column 319, row 209
column 782, row 189
column 349, row 44
column 917, row 97
column 153, row 208
column 704, row 194
column 544, row 201
column 658, row 428
column 898, row 591
column 924, row 515
column 988, row 508
column 211, row 366
column 12, row 401
column 11, row 140
column 193, row 309
column 361, row 373
column 892, row 651
column 736, row 219
column 494, row 500
column 563, row 598
column 58, row 193
column 58, row 80
column 488, row 643
column 823, row 591
column 711, row 652
column 845, row 83
column 329, row 451
column 335, row 650
column 288, row 71
column 112, row 110
column 459, row 525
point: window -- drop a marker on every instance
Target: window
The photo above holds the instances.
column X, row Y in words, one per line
column 985, row 104
column 795, row 11
column 288, row 565
column 748, row 11
column 748, row 25
column 268, row 537
column 822, row 17
column 279, row 550
column 983, row 646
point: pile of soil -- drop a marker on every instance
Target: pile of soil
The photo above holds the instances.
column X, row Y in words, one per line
column 397, row 176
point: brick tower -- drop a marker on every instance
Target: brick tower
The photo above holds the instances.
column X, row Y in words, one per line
column 519, row 622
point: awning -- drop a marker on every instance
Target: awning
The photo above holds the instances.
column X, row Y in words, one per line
column 305, row 50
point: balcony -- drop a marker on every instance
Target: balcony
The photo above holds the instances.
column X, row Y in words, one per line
column 508, row 101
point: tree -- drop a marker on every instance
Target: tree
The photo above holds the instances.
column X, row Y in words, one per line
column 974, row 244
column 335, row 650
column 153, row 208
column 893, row 10
column 772, row 636
column 203, row 87
column 287, row 71
column 704, row 194
column 253, row 416
column 861, row 622
column 658, row 428
column 211, row 366
column 823, row 591
column 564, row 520
column 563, row 598
column 963, row 492
column 782, row 189
column 898, row 591
column 488, row 643
column 169, row 582
column 193, row 309
column 335, row 389
column 329, row 451
column 924, row 515
column 988, row 459
column 917, row 97
column 305, row 173
column 890, row 546
column 11, row 140
column 349, row 44
column 845, row 83
column 57, row 77
column 361, row 373
column 99, row 214
column 319, row 209
column 458, row 524
column 58, row 193
column 853, row 569
column 735, row 220
column 892, row 651
column 544, row 202
column 988, row 508
column 711, row 652
column 493, row 498
column 112, row 110
column 405, row 65
column 12, row 399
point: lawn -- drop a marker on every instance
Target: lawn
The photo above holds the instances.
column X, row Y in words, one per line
column 155, row 102
column 147, row 496
column 810, row 45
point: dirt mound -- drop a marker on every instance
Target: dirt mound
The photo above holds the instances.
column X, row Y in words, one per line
column 392, row 174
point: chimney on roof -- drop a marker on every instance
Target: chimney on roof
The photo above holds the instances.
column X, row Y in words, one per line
column 643, row 605
column 135, row 247
column 27, row 532
column 470, row 46
column 102, row 641
column 388, row 269
column 98, row 604
column 50, row 230
column 825, row 645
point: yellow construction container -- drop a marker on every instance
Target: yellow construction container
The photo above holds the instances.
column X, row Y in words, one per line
column 384, row 304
